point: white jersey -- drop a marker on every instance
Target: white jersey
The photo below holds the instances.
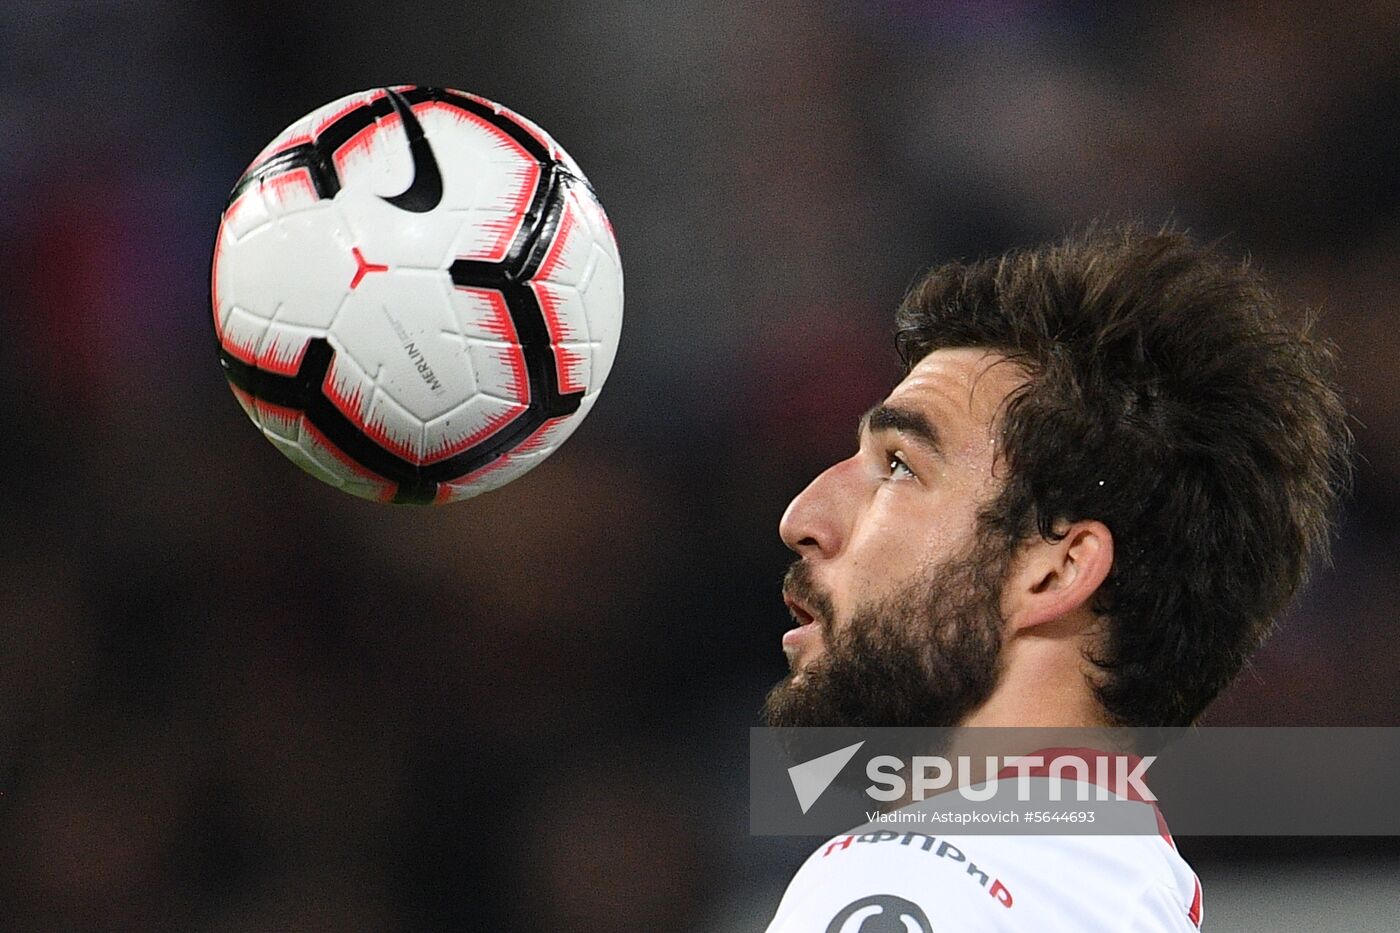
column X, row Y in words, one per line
column 876, row 880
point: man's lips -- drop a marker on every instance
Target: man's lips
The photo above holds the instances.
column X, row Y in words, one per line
column 794, row 639
column 800, row 613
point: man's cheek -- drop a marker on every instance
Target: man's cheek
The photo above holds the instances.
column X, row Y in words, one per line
column 868, row 581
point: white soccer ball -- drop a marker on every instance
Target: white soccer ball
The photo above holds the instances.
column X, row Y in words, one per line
column 416, row 293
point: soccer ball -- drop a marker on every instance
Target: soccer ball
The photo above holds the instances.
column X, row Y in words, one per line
column 416, row 293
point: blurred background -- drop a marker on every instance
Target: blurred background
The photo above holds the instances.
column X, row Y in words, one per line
column 232, row 698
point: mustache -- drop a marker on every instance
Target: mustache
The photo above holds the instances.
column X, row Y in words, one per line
column 800, row 583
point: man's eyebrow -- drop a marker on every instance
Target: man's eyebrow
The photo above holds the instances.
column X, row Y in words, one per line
column 904, row 420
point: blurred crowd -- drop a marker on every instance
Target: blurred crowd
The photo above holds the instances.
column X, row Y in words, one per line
column 233, row 698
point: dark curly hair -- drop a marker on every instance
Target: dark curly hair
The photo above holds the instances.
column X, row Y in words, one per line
column 1169, row 398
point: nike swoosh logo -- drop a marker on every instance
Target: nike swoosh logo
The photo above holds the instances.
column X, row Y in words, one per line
column 425, row 191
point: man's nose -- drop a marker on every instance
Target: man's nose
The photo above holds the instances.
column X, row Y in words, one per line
column 814, row 524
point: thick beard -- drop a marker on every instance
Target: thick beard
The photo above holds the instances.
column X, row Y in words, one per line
column 927, row 655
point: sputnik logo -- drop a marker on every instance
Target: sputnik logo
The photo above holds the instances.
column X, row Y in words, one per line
column 363, row 268
column 811, row 778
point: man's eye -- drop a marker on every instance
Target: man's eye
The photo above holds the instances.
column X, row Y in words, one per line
column 897, row 466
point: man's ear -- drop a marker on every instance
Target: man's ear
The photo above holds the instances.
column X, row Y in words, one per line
column 1052, row 579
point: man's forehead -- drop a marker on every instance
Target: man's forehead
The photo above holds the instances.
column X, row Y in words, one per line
column 967, row 381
